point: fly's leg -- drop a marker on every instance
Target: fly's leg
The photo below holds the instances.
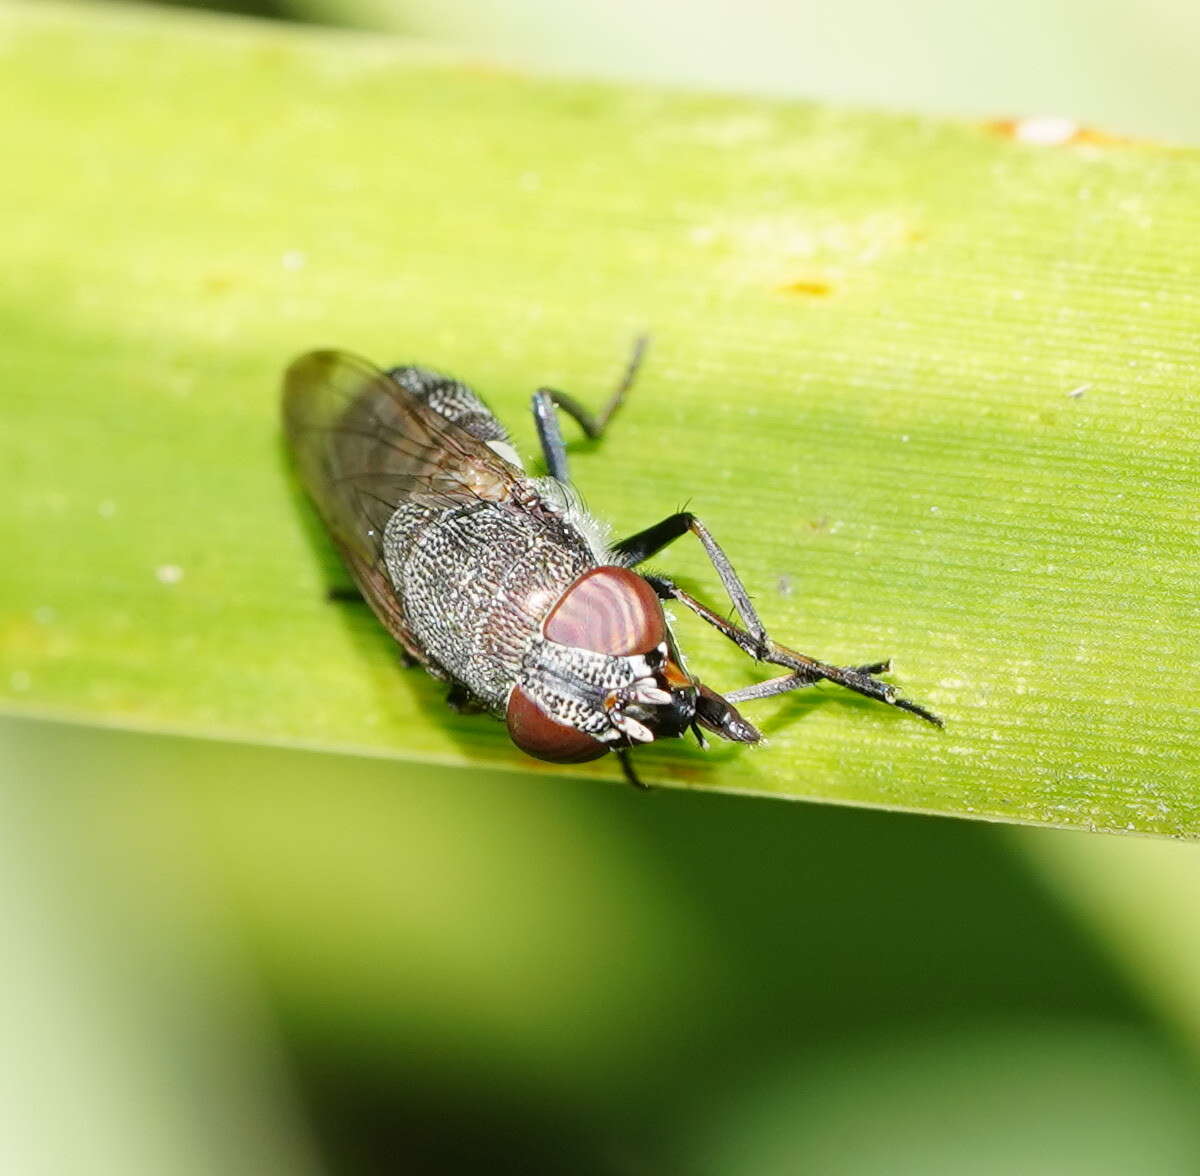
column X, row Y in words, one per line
column 753, row 639
column 804, row 670
column 630, row 774
column 546, row 400
column 640, row 547
column 797, row 681
column 461, row 700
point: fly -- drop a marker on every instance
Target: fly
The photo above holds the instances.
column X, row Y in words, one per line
column 502, row 585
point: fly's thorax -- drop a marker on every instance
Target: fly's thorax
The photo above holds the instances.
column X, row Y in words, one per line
column 477, row 584
column 562, row 500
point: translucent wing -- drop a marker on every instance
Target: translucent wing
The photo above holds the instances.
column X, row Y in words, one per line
column 364, row 446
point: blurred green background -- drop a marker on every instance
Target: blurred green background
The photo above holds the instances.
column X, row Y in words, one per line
column 222, row 959
column 1125, row 65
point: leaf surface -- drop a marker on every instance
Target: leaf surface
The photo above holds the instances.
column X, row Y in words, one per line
column 933, row 388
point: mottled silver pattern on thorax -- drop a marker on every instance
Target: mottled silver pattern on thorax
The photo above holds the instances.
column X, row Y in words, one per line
column 478, row 581
column 477, row 584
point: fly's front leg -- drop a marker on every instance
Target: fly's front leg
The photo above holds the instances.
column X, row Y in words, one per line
column 547, row 400
column 753, row 639
column 804, row 670
column 796, row 681
column 640, row 547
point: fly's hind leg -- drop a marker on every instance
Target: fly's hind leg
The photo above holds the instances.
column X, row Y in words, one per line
column 547, row 400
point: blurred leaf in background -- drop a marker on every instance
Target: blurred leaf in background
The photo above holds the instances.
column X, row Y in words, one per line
column 1123, row 65
column 266, row 9
column 560, row 977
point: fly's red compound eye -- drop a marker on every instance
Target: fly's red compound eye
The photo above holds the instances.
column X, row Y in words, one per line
column 544, row 738
column 608, row 610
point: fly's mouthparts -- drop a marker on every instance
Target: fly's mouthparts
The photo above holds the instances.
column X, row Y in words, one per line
column 631, row 728
column 651, row 694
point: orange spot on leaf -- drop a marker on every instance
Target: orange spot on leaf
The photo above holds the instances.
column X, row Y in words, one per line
column 809, row 287
column 1055, row 131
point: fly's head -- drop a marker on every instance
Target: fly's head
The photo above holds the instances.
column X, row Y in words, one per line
column 605, row 674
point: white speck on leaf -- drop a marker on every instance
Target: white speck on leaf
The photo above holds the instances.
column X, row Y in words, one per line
column 168, row 573
column 293, row 260
column 1046, row 130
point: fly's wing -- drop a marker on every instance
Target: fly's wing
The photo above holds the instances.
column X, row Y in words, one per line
column 364, row 446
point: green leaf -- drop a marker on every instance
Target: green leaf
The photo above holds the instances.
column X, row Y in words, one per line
column 931, row 386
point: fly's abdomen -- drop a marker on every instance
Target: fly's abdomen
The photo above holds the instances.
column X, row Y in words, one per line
column 476, row 585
